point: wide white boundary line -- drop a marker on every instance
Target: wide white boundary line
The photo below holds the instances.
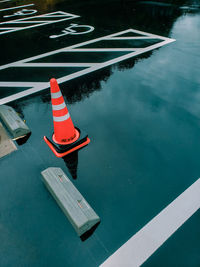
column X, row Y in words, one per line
column 145, row 242
column 16, row 7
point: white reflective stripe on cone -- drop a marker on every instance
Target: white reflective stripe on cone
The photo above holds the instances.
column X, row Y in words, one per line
column 61, row 118
column 56, row 95
column 58, row 107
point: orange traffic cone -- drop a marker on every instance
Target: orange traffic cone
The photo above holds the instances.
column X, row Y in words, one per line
column 66, row 138
column 64, row 131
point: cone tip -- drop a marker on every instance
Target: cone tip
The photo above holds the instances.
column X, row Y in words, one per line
column 53, row 80
column 54, row 85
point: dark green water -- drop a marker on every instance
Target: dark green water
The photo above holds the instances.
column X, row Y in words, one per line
column 143, row 118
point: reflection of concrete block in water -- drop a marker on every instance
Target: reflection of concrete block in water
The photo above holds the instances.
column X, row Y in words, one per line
column 6, row 144
column 75, row 207
column 13, row 122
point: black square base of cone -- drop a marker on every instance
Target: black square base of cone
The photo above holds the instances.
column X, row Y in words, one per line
column 63, row 150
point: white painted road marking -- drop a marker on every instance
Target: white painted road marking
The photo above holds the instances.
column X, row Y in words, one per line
column 15, row 7
column 23, row 12
column 74, row 29
column 145, row 242
column 2, row 1
column 54, row 17
column 77, row 48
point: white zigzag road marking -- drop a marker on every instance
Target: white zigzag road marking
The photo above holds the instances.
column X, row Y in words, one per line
column 89, row 67
column 59, row 15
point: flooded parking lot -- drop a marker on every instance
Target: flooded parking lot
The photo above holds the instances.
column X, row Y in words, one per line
column 132, row 83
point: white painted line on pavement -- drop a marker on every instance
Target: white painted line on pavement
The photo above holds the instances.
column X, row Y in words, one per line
column 10, row 8
column 131, row 38
column 15, row 7
column 104, row 49
column 20, row 84
column 53, row 17
column 2, row 1
column 131, row 52
column 24, row 65
column 145, row 242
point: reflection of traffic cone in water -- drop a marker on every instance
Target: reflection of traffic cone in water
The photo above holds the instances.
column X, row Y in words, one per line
column 66, row 138
column 71, row 162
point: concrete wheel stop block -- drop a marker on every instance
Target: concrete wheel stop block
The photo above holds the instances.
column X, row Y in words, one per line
column 13, row 122
column 7, row 146
column 80, row 214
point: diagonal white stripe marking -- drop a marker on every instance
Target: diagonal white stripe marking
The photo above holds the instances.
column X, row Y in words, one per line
column 24, row 65
column 59, row 15
column 16, row 7
column 130, row 38
column 22, row 84
column 104, row 49
column 145, row 242
column 131, row 52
